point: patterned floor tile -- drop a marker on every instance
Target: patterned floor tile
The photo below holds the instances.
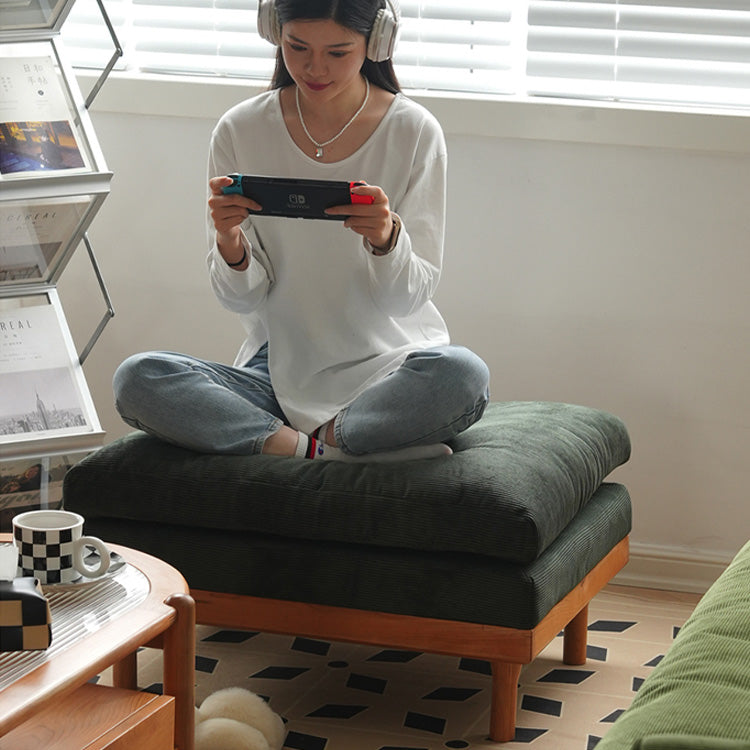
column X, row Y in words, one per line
column 337, row 696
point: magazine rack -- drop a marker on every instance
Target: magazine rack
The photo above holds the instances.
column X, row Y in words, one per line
column 53, row 180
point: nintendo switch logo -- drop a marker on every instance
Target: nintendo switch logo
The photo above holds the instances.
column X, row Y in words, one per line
column 297, row 200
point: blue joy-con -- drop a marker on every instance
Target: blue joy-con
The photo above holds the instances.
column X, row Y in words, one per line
column 235, row 187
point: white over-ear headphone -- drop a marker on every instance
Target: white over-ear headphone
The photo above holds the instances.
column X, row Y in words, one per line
column 383, row 36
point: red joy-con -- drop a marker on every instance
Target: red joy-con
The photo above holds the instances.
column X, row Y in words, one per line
column 365, row 199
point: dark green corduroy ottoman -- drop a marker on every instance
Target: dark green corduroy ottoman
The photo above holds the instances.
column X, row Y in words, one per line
column 486, row 554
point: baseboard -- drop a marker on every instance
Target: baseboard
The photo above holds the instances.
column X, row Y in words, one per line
column 671, row 568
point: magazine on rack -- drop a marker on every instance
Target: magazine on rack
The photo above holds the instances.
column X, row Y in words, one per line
column 45, row 405
column 29, row 14
column 32, row 483
column 36, row 131
column 34, row 236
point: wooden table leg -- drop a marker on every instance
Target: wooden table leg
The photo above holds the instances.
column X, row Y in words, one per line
column 179, row 668
column 504, row 698
column 125, row 672
column 574, row 639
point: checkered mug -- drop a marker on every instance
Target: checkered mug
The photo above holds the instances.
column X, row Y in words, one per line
column 52, row 548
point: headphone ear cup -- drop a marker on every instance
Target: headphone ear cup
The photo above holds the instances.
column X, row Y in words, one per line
column 384, row 35
column 268, row 22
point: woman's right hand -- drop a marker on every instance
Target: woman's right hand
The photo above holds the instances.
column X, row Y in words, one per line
column 228, row 211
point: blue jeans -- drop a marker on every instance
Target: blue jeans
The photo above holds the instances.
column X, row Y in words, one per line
column 215, row 408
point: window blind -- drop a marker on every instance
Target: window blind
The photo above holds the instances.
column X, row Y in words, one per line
column 670, row 51
column 675, row 51
column 205, row 37
column 444, row 45
column 459, row 46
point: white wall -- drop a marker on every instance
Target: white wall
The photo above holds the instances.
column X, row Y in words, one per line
column 608, row 274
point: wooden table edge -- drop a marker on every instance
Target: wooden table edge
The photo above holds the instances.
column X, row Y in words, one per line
column 167, row 613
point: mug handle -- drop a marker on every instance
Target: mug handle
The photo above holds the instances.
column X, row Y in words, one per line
column 80, row 564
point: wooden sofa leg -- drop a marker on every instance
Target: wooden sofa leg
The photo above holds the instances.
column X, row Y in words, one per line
column 504, row 698
column 575, row 637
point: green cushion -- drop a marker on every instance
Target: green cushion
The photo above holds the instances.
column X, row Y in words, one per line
column 443, row 585
column 702, row 686
column 516, row 480
column 689, row 742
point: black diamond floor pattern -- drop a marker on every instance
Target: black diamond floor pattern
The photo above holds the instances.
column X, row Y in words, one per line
column 337, row 696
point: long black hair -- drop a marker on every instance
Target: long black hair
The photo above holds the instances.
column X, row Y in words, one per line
column 357, row 15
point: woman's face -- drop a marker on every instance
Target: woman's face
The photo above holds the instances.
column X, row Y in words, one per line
column 323, row 58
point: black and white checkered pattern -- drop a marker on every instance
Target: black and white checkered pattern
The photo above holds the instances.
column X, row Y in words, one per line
column 46, row 555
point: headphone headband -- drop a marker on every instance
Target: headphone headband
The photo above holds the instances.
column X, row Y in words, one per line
column 383, row 36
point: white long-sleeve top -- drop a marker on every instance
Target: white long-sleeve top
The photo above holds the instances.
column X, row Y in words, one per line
column 336, row 317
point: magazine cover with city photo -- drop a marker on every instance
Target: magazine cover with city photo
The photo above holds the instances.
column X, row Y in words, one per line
column 37, row 132
column 35, row 235
column 45, row 404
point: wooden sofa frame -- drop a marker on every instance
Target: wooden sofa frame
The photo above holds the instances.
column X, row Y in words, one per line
column 506, row 649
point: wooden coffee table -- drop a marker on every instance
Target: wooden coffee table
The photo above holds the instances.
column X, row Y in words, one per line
column 95, row 626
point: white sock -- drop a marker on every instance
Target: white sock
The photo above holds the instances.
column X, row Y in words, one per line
column 310, row 447
column 319, row 433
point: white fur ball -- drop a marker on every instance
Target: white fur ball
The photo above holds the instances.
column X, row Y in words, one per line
column 248, row 708
column 228, row 734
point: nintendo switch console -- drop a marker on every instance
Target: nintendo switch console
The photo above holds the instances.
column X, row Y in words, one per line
column 296, row 198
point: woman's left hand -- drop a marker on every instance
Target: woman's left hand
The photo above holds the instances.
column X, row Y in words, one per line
column 373, row 221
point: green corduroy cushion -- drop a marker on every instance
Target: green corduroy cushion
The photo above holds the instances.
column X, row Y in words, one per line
column 516, row 480
column 688, row 742
column 443, row 585
column 702, row 686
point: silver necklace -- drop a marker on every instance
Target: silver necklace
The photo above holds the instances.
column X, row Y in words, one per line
column 319, row 146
